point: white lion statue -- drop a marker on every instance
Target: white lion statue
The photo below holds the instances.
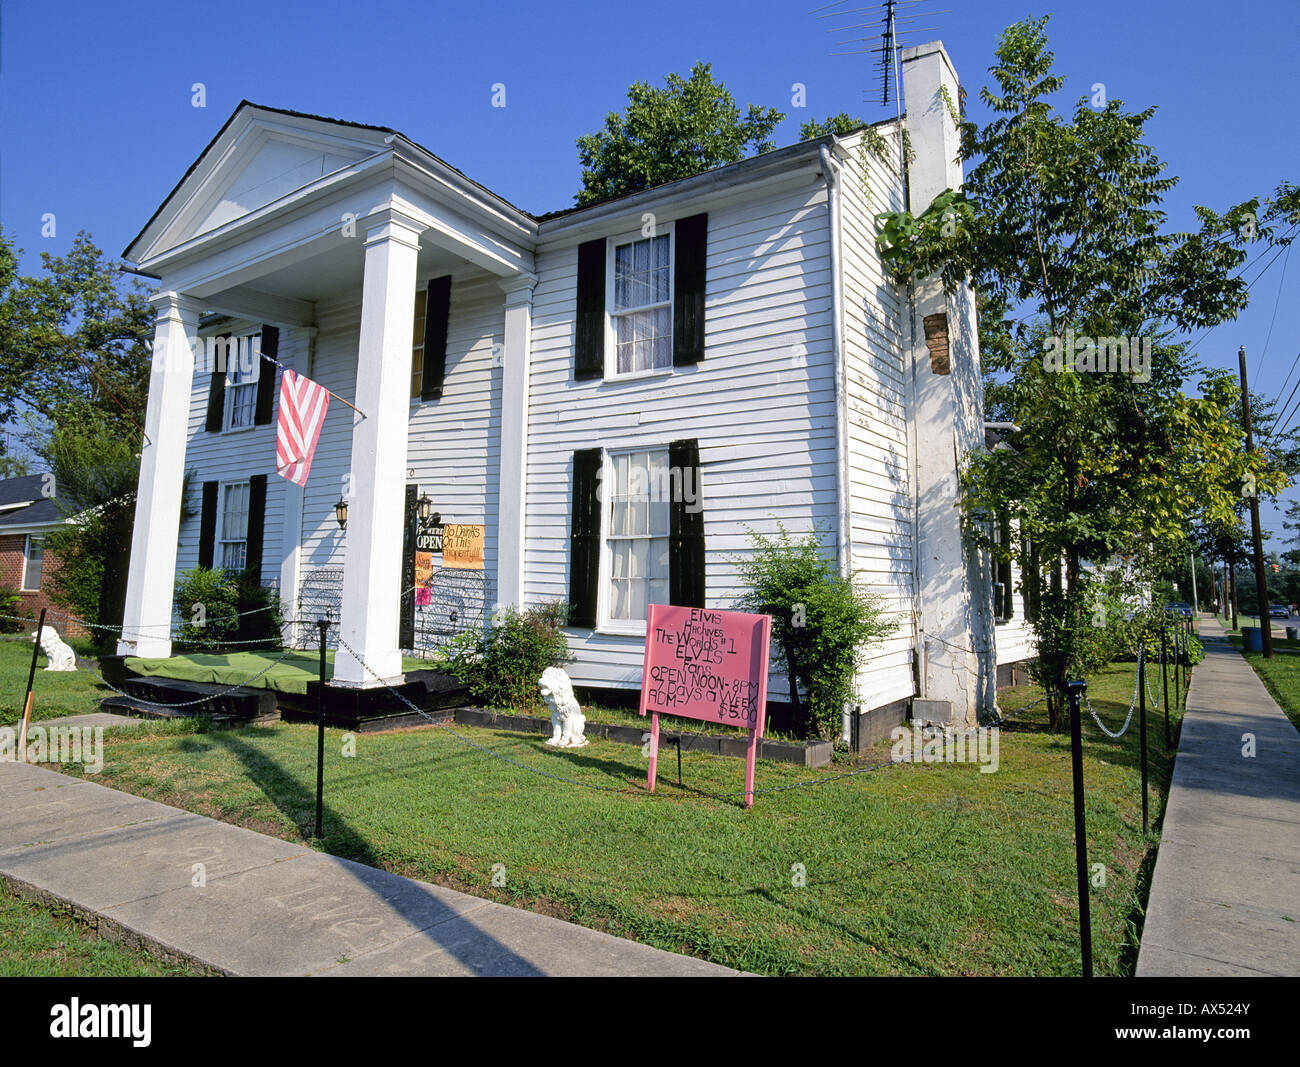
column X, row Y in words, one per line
column 60, row 655
column 567, row 720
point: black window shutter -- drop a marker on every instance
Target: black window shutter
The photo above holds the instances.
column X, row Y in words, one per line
column 437, row 315
column 256, row 525
column 688, row 289
column 266, row 376
column 686, row 526
column 217, row 385
column 1008, row 605
column 208, row 525
column 584, row 542
column 589, row 336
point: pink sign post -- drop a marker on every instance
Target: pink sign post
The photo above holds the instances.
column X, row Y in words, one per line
column 707, row 665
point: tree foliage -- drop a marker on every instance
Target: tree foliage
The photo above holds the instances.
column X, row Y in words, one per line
column 839, row 125
column 1060, row 229
column 689, row 126
column 822, row 622
column 74, row 368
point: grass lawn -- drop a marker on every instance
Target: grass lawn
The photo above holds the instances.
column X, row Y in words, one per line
column 39, row 942
column 58, row 693
column 910, row 869
column 1280, row 675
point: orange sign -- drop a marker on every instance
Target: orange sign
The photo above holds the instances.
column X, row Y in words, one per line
column 462, row 546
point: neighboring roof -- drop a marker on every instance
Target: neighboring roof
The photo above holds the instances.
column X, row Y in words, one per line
column 826, row 139
column 23, row 504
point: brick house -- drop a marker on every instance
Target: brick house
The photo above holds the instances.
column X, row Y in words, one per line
column 27, row 516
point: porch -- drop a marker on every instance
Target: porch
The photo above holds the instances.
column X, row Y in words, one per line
column 285, row 220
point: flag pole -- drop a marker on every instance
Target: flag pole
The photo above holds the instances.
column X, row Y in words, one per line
column 331, row 392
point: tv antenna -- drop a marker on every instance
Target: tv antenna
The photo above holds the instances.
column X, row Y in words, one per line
column 891, row 27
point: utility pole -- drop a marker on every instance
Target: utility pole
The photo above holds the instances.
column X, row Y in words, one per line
column 1261, row 586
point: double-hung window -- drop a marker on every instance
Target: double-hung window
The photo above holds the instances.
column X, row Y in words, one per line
column 641, row 305
column 232, row 534
column 636, row 535
column 33, row 558
column 417, row 343
column 242, row 359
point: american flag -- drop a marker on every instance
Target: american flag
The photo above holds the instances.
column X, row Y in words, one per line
column 303, row 404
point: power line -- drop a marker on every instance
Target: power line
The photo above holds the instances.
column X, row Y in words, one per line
column 1276, row 301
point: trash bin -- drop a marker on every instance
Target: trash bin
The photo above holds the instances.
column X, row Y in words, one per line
column 1293, row 633
column 1252, row 639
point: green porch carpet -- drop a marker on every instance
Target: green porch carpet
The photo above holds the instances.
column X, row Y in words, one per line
column 290, row 674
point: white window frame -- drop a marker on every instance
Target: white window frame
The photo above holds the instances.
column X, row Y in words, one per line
column 27, row 555
column 604, row 622
column 254, row 343
column 218, row 548
column 661, row 229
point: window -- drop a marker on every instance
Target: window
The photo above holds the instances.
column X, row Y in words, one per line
column 242, row 366
column 636, row 535
column 232, row 535
column 641, row 307
column 33, row 558
column 1003, row 591
column 417, row 344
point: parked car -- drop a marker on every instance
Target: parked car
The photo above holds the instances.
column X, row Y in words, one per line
column 1179, row 608
column 1278, row 611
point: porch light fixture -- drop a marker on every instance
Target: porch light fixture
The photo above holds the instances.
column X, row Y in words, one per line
column 424, row 505
column 341, row 513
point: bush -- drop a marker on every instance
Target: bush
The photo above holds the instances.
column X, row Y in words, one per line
column 218, row 607
column 502, row 665
column 9, row 604
column 822, row 623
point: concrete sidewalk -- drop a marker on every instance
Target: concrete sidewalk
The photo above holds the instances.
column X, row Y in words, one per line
column 1225, row 897
column 269, row 907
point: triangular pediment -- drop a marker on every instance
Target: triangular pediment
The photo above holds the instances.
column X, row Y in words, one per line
column 261, row 156
column 277, row 168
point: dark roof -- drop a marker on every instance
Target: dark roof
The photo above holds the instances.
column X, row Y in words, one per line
column 544, row 217
column 27, row 490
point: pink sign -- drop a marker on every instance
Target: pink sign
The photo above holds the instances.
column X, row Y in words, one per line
column 707, row 665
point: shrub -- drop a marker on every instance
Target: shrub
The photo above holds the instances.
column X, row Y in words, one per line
column 502, row 665
column 9, row 603
column 822, row 623
column 218, row 607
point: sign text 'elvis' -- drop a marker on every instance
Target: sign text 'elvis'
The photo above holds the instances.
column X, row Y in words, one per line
column 707, row 665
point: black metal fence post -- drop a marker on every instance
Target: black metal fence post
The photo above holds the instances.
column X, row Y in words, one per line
column 1142, row 726
column 320, row 730
column 1075, row 691
column 1164, row 683
column 1178, row 660
column 31, row 684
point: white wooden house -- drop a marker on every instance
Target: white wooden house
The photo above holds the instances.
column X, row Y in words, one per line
column 734, row 332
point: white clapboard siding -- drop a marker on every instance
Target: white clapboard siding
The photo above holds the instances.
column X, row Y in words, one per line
column 761, row 404
column 1014, row 638
column 453, row 442
column 232, row 457
column 875, row 366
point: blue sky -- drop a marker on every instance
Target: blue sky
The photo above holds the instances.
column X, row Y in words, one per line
column 97, row 123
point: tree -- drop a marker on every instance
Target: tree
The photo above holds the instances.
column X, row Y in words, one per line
column 75, row 364
column 72, row 339
column 1060, row 229
column 837, row 124
column 689, row 126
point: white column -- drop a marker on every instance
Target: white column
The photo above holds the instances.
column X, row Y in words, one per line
column 146, row 622
column 511, row 533
column 372, row 560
